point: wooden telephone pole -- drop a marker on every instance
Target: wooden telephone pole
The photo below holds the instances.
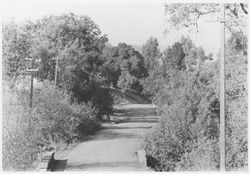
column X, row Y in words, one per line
column 56, row 70
column 222, row 91
column 31, row 70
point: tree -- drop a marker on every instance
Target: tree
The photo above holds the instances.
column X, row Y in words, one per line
column 152, row 58
column 16, row 44
column 77, row 40
column 188, row 14
column 150, row 52
column 187, row 136
column 236, row 97
column 122, row 62
column 174, row 57
column 126, row 80
column 189, row 123
column 110, row 68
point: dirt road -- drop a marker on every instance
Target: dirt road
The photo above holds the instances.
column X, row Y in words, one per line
column 112, row 148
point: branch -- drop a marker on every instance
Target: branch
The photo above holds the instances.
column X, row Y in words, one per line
column 233, row 11
column 243, row 8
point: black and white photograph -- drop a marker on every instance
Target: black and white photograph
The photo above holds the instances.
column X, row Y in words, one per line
column 124, row 86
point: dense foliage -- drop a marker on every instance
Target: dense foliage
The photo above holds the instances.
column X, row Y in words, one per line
column 76, row 40
column 152, row 60
column 236, row 81
column 187, row 136
column 123, row 67
column 188, row 15
column 182, row 81
column 87, row 69
column 52, row 122
column 69, row 113
column 15, row 43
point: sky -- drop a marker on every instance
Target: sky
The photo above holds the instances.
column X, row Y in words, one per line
column 132, row 23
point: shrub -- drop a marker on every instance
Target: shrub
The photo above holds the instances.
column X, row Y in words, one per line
column 19, row 139
column 189, row 127
column 203, row 157
column 191, row 115
column 236, row 83
column 88, row 121
column 161, row 146
column 89, row 90
column 102, row 101
column 61, row 120
column 52, row 120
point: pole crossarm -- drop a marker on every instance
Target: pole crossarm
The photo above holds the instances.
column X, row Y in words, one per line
column 30, row 59
column 32, row 70
column 56, row 58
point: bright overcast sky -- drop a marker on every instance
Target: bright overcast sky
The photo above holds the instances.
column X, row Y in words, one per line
column 132, row 23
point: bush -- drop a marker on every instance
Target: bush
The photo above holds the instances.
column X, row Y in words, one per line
column 204, row 156
column 52, row 121
column 190, row 116
column 19, row 139
column 102, row 101
column 236, row 83
column 187, row 138
column 161, row 146
column 83, row 88
column 61, row 120
column 88, row 120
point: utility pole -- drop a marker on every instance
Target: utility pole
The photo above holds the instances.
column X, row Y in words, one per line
column 32, row 70
column 222, row 88
column 56, row 69
column 222, row 91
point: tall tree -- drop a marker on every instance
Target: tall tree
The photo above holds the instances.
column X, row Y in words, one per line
column 122, row 62
column 152, row 58
column 151, row 52
column 77, row 40
column 16, row 44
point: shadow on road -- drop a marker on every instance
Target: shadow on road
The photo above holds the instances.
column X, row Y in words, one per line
column 112, row 135
column 130, row 112
column 112, row 147
column 124, row 127
column 107, row 164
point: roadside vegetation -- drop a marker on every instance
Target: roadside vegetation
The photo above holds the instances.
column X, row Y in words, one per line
column 186, row 88
column 182, row 80
column 92, row 76
column 53, row 123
